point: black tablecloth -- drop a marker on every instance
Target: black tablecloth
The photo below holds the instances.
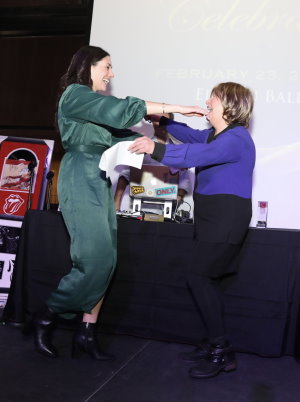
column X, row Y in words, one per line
column 148, row 295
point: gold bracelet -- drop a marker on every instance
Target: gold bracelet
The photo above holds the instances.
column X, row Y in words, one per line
column 163, row 108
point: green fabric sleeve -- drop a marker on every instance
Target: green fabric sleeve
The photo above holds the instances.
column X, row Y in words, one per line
column 80, row 103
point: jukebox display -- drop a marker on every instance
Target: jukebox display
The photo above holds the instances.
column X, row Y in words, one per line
column 24, row 165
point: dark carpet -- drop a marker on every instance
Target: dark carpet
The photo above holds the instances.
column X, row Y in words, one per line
column 144, row 371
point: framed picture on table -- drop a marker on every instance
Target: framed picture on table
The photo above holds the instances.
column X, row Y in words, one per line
column 9, row 236
column 24, row 165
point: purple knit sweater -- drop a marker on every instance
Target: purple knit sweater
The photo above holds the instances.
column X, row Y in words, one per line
column 224, row 165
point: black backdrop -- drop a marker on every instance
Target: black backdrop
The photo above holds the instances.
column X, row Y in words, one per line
column 148, row 296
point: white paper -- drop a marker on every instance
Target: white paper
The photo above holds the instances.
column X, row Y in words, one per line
column 119, row 155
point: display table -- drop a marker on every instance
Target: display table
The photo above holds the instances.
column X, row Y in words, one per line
column 148, row 296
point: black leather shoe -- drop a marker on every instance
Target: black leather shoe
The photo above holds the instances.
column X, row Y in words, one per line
column 85, row 341
column 199, row 353
column 42, row 326
column 221, row 358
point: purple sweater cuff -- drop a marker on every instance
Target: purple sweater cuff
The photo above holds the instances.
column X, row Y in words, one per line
column 158, row 152
column 163, row 121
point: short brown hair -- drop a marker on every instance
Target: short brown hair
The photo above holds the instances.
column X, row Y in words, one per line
column 237, row 102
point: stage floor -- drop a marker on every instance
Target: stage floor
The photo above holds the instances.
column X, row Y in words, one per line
column 144, row 371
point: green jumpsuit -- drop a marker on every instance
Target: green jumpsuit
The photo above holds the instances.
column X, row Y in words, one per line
column 89, row 123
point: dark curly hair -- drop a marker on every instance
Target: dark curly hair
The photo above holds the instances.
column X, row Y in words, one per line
column 237, row 102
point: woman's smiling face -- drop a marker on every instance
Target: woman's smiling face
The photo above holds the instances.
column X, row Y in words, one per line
column 101, row 73
column 215, row 115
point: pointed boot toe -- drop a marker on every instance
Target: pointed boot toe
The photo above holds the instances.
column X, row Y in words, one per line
column 85, row 341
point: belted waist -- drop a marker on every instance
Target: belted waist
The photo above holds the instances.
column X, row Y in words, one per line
column 92, row 149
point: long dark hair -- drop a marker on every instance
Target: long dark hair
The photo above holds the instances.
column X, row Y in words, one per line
column 79, row 70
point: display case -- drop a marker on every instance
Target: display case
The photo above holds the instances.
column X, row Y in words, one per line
column 24, row 164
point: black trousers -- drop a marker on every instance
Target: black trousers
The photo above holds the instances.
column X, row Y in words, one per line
column 211, row 262
column 208, row 297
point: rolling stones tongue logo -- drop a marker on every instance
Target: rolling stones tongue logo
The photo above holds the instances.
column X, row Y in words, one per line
column 12, row 204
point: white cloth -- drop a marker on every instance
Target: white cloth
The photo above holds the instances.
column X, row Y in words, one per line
column 184, row 178
column 119, row 155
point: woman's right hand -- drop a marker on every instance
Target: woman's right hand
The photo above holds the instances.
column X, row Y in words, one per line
column 142, row 145
column 193, row 111
column 158, row 109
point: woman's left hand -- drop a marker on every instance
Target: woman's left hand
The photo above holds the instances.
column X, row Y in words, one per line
column 142, row 145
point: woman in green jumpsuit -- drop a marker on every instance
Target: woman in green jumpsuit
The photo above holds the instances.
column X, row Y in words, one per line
column 89, row 123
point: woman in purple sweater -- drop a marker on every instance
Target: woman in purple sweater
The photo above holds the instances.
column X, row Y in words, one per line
column 224, row 157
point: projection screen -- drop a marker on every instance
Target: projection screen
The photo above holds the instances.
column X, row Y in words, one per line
column 175, row 51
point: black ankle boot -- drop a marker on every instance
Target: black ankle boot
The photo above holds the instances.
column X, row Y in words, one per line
column 85, row 340
column 199, row 353
column 42, row 326
column 221, row 358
